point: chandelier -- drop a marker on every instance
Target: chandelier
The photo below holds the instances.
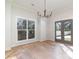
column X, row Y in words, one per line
column 44, row 12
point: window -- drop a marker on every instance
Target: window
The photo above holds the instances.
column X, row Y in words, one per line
column 31, row 29
column 25, row 29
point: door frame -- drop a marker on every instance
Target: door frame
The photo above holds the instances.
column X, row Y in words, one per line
column 62, row 32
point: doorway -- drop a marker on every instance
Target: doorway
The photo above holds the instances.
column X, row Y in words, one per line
column 64, row 31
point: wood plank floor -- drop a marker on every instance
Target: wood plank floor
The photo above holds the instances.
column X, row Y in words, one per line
column 38, row 50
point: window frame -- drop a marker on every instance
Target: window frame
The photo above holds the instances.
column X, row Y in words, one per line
column 27, row 19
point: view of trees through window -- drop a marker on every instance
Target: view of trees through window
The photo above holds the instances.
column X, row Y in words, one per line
column 63, row 30
column 25, row 28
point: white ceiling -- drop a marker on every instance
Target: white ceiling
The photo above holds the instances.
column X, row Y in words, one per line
column 54, row 5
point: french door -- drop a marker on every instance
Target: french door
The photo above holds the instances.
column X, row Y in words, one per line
column 64, row 31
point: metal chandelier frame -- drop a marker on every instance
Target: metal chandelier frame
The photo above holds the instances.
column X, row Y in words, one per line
column 44, row 12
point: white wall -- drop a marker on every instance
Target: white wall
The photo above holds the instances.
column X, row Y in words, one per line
column 43, row 29
column 12, row 12
column 57, row 17
column 18, row 11
column 7, row 25
column 48, row 28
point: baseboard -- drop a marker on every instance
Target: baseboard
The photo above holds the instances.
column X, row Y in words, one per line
column 23, row 43
column 52, row 40
column 7, row 49
column 43, row 40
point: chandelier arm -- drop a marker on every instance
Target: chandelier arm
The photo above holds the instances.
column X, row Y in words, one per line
column 44, row 15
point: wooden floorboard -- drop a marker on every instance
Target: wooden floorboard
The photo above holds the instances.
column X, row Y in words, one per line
column 38, row 50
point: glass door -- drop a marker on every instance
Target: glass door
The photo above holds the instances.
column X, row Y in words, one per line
column 68, row 31
column 58, row 31
column 63, row 31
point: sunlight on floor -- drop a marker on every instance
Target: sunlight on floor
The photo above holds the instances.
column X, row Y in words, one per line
column 67, row 50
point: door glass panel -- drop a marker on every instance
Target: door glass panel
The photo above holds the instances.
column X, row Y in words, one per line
column 67, row 30
column 58, row 30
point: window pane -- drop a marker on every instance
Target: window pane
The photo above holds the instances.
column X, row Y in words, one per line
column 31, row 25
column 67, row 38
column 21, row 23
column 67, row 30
column 58, row 30
column 21, row 35
column 31, row 34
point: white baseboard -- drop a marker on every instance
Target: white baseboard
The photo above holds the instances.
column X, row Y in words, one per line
column 43, row 40
column 7, row 49
column 52, row 40
column 24, row 42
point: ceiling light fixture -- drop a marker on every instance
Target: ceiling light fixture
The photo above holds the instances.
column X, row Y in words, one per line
column 44, row 12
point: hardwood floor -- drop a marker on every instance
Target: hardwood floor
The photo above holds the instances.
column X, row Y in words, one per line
column 38, row 50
